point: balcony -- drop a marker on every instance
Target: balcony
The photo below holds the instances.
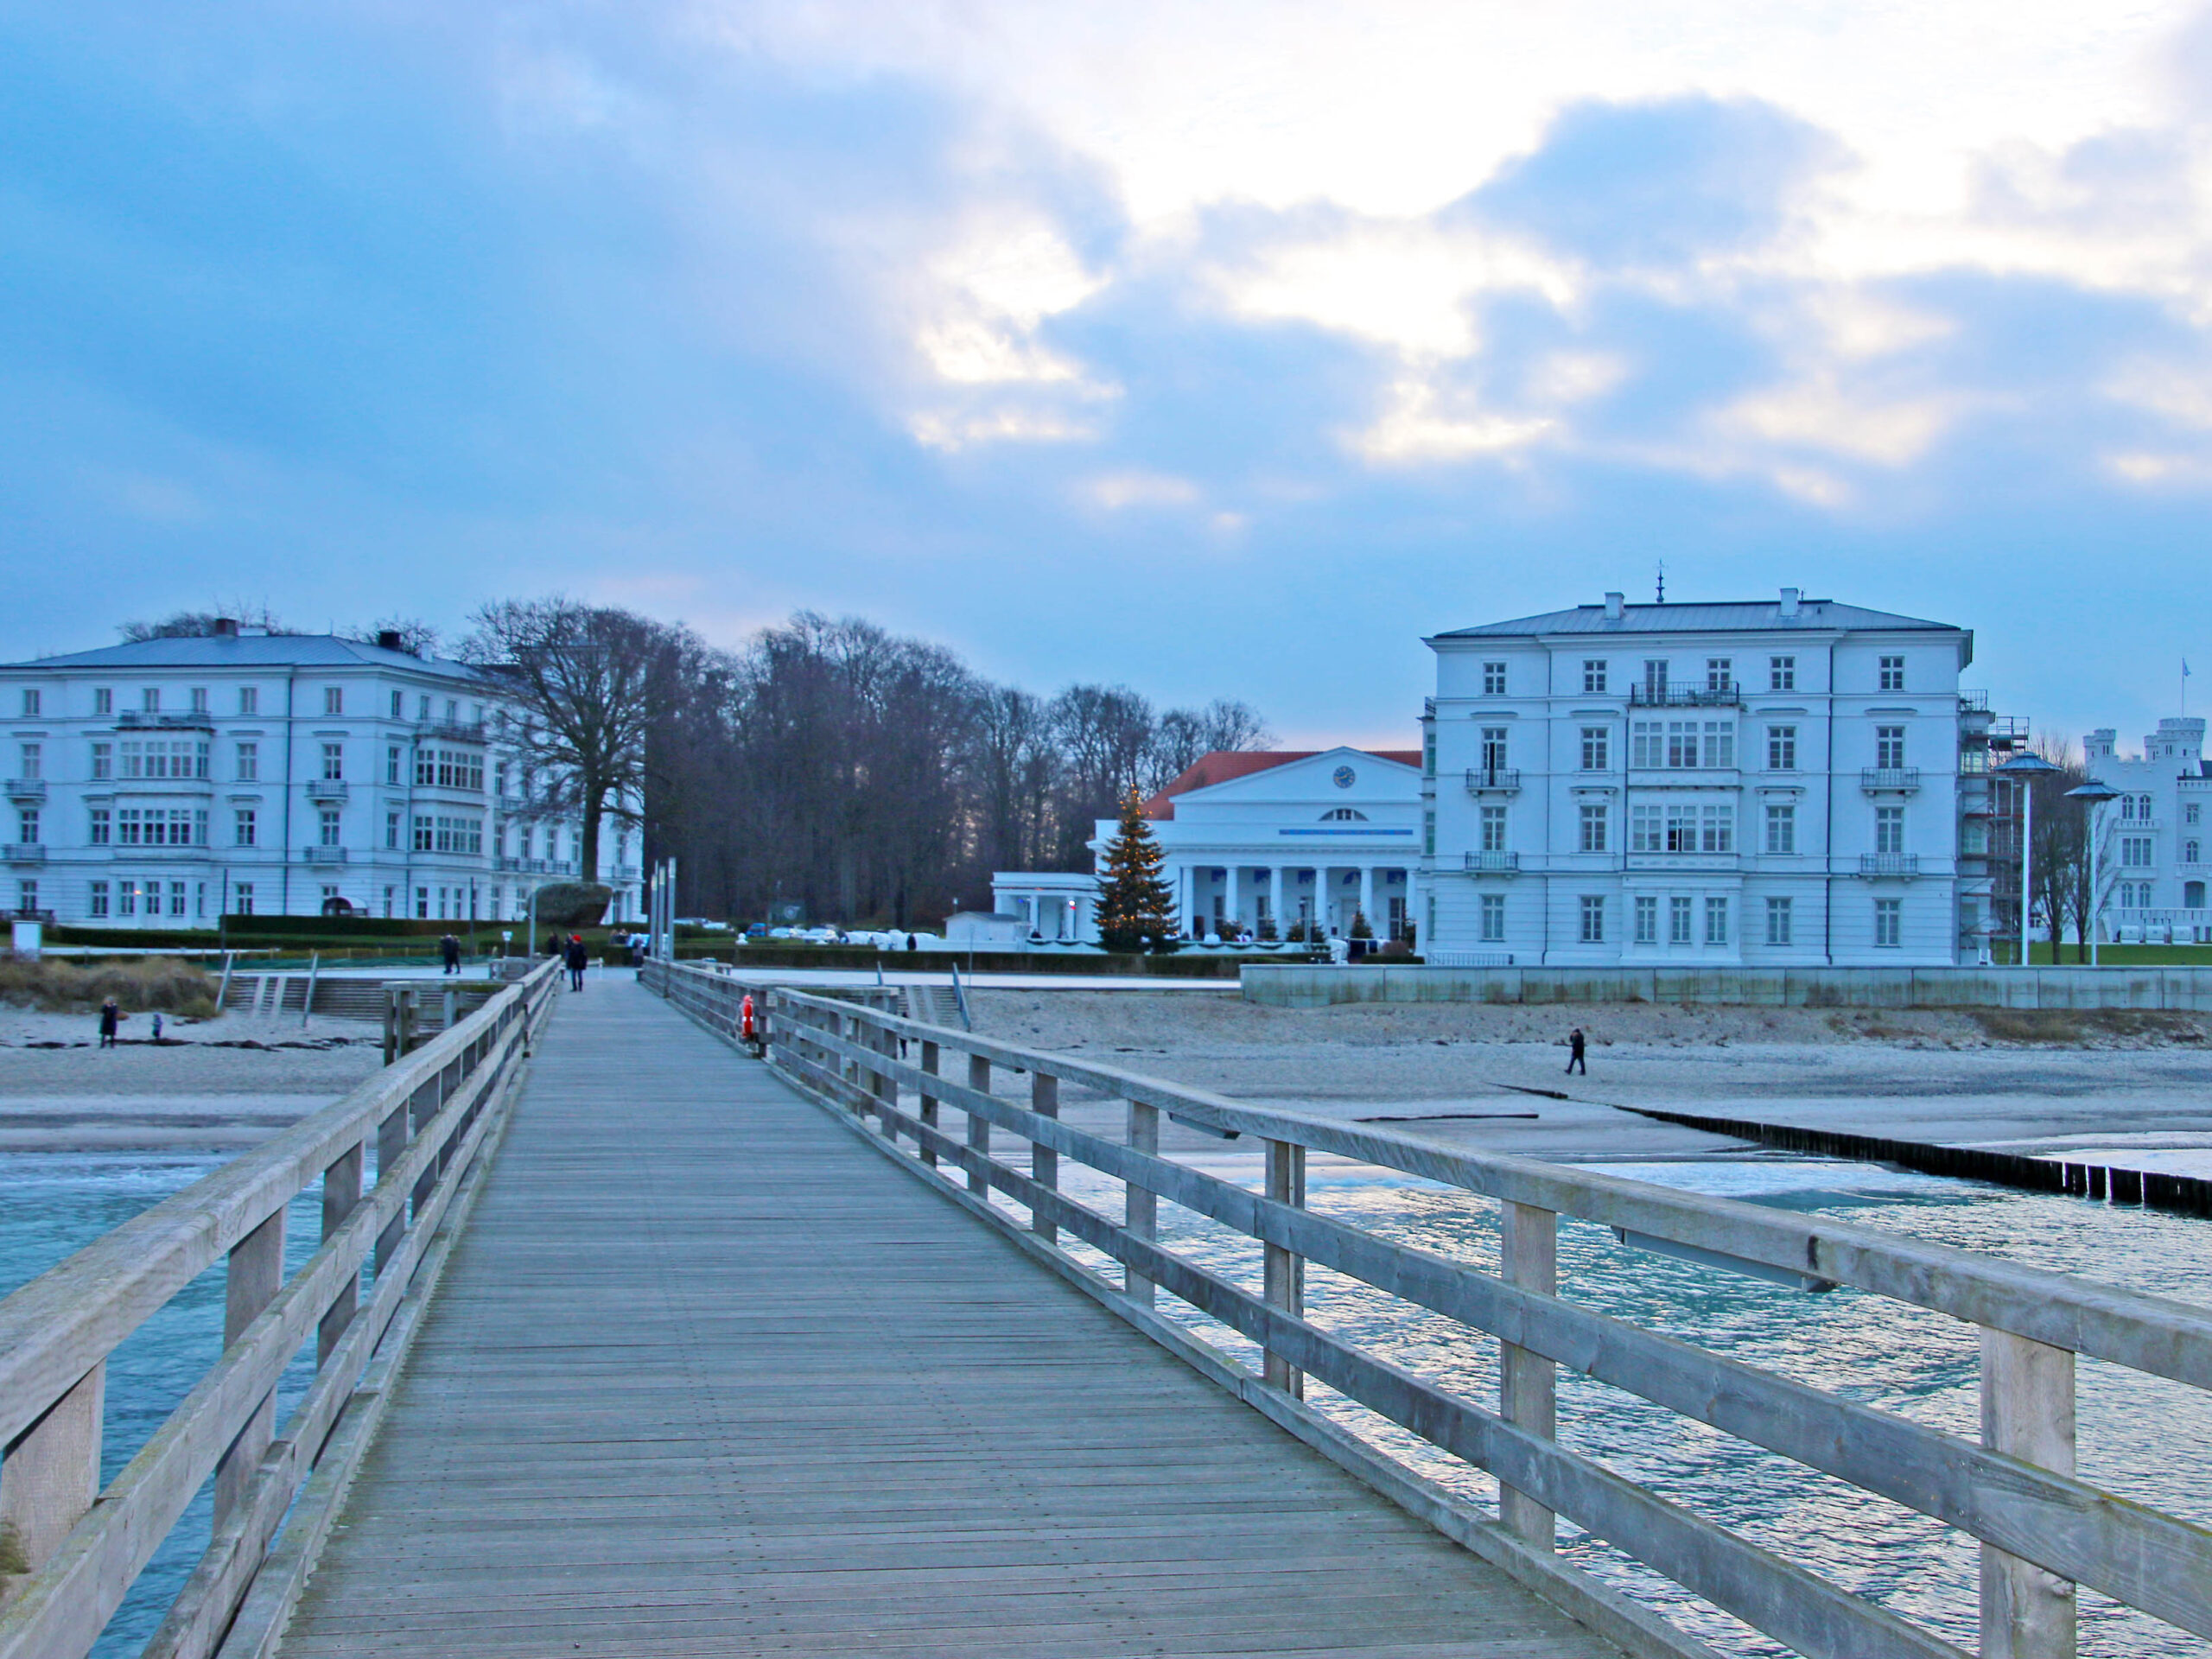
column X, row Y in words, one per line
column 323, row 854
column 27, row 788
column 2008, row 730
column 450, row 731
column 1894, row 781
column 1499, row 863
column 1903, row 864
column 1722, row 694
column 325, row 789
column 1493, row 780
column 170, row 849
column 22, row 852
column 137, row 719
column 1973, row 703
column 1685, row 860
column 627, row 872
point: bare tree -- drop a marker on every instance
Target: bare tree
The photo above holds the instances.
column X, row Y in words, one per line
column 201, row 625
column 584, row 676
column 2061, row 856
column 416, row 637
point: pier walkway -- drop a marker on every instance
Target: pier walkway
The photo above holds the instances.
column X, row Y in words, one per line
column 707, row 1375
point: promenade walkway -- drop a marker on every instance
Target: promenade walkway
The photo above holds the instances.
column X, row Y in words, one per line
column 686, row 1391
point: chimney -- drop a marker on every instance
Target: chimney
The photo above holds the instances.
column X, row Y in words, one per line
column 226, row 627
column 1790, row 596
column 388, row 639
column 1615, row 609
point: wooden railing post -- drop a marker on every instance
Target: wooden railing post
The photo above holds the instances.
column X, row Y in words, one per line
column 1283, row 1271
column 2027, row 1412
column 1141, row 1204
column 885, row 1087
column 255, row 1275
column 1044, row 1161
column 1527, row 1384
column 49, row 1475
column 391, row 1146
column 979, row 1129
column 341, row 1193
column 929, row 1100
column 422, row 1107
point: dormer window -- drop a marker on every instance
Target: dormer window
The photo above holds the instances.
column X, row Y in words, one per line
column 1344, row 815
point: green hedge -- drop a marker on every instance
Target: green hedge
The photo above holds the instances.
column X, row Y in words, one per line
column 1075, row 965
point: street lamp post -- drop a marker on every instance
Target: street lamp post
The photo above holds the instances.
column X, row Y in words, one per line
column 2024, row 769
column 2095, row 795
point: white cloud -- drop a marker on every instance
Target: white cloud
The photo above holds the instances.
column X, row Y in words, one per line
column 1115, row 491
column 1415, row 427
column 1821, row 415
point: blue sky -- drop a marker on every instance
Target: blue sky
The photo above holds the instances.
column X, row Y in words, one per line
column 1225, row 350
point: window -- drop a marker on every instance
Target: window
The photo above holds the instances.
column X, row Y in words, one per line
column 32, row 701
column 103, row 827
column 1717, row 829
column 1678, row 919
column 398, row 705
column 1716, row 921
column 1719, row 675
column 1782, row 748
column 2192, row 852
column 1889, row 828
column 426, row 831
column 1428, row 763
column 1781, row 827
column 443, row 768
column 329, row 892
column 177, row 899
column 391, row 763
column 157, row 826
column 2192, row 895
column 99, row 899
column 423, row 706
column 245, row 826
column 1888, row 923
column 164, row 758
column 392, row 830
column 150, row 699
column 1597, row 749
column 1593, row 675
column 1647, row 918
column 33, row 760
column 249, row 766
column 1889, row 747
column 453, row 710
column 102, row 761
column 126, row 898
column 1643, row 830
column 389, row 893
column 26, row 825
column 1493, row 919
column 26, row 894
column 1781, row 673
column 242, row 896
column 2135, row 852
column 1593, row 918
column 1892, row 674
column 422, row 894
column 199, row 699
column 249, row 699
column 1344, row 815
column 1594, row 827
column 1777, row 921
column 1493, row 830
column 1493, row 679
column 103, row 699
column 333, row 762
column 1493, row 749
column 2190, row 813
column 333, row 699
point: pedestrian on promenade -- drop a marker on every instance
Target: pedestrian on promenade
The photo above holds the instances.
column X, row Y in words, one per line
column 157, row 1028
column 1575, row 1045
column 110, row 1020
column 449, row 949
column 578, row 960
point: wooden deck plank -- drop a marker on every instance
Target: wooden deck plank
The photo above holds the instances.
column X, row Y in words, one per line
column 706, row 1377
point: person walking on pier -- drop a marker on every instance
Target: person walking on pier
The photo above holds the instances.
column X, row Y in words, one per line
column 450, row 952
column 1575, row 1045
column 578, row 959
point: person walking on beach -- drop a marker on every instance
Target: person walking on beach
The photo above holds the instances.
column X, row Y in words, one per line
column 449, row 949
column 578, row 959
column 1575, row 1045
column 111, row 1022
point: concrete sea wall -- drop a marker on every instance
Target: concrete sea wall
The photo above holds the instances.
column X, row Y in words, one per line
column 2175, row 989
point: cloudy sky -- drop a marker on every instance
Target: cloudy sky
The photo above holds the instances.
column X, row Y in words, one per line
column 1220, row 349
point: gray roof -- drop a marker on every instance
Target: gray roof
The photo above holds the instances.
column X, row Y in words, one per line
column 1733, row 616
column 269, row 651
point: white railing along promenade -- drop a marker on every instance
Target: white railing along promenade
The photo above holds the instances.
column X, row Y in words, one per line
column 2042, row 1528
column 73, row 1548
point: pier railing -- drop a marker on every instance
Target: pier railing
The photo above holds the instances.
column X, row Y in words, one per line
column 69, row 1548
column 2042, row 1528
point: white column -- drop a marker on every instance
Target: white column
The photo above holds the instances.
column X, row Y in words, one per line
column 1366, row 897
column 1231, row 898
column 1274, row 900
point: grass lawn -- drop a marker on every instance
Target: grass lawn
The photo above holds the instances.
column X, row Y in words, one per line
column 2117, row 956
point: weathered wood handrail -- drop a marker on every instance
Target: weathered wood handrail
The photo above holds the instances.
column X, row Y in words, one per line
column 76, row 1558
column 2016, row 1491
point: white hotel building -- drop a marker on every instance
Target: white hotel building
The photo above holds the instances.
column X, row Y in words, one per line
column 168, row 782
column 2152, row 841
column 1779, row 782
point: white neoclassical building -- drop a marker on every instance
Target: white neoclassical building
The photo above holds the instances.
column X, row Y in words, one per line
column 1770, row 782
column 2152, row 840
column 168, row 782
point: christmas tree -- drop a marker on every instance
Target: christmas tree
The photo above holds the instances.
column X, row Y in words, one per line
column 1134, row 907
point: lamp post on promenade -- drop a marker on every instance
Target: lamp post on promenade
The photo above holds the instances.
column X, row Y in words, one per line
column 2095, row 794
column 2024, row 769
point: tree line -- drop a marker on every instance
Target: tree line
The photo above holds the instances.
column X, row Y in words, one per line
column 861, row 775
